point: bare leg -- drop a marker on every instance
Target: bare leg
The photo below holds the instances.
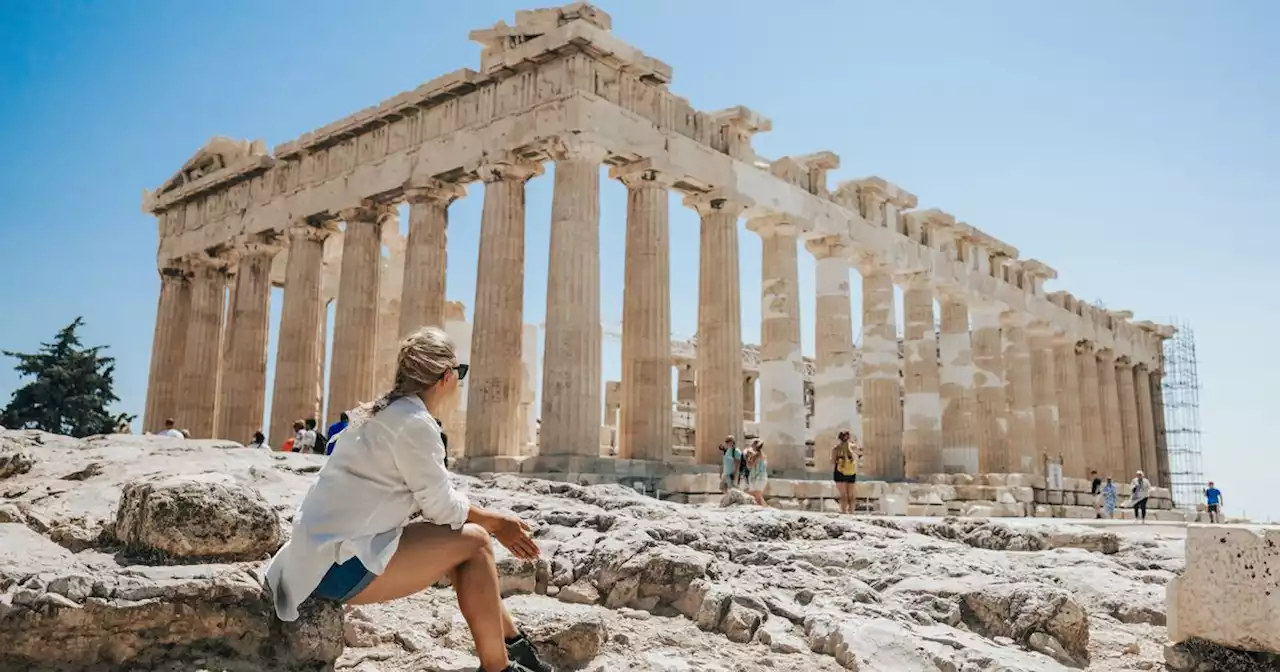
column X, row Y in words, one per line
column 509, row 629
column 428, row 552
column 759, row 496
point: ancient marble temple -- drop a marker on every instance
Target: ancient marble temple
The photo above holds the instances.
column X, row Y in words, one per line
column 989, row 372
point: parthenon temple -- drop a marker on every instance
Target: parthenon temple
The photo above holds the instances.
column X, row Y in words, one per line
column 992, row 382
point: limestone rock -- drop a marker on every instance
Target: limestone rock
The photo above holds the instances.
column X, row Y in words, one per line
column 196, row 517
column 570, row 639
column 1198, row 655
column 1021, row 609
column 14, row 461
column 736, row 497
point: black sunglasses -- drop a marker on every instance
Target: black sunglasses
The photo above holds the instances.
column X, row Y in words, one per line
column 462, row 370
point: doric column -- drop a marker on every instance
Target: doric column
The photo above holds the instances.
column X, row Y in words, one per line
column 390, row 291
column 243, row 392
column 781, row 379
column 571, row 374
column 881, row 375
column 1162, row 438
column 921, row 404
column 1023, row 457
column 719, row 326
column 493, row 391
column 199, row 385
column 956, row 387
column 1091, row 414
column 299, row 346
column 426, row 255
column 1044, row 394
column 988, row 358
column 167, row 347
column 1146, row 422
column 835, row 378
column 1112, row 428
column 355, row 324
column 1128, row 416
column 1070, row 422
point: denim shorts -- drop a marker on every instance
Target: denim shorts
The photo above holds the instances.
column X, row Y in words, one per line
column 344, row 581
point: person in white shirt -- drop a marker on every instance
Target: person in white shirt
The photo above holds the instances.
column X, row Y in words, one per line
column 1141, row 491
column 304, row 440
column 169, row 431
column 351, row 542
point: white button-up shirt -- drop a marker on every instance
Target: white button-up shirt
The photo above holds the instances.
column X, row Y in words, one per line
column 381, row 472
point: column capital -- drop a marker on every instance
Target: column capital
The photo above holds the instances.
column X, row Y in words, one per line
column 1085, row 347
column 1141, row 367
column 1124, row 362
column 1106, row 354
column 867, row 262
column 1015, row 318
column 508, row 171
column 434, row 191
column 913, row 279
column 827, row 247
column 257, row 248
column 317, row 233
column 577, row 148
column 644, row 174
column 368, row 213
column 771, row 225
column 714, row 202
column 174, row 270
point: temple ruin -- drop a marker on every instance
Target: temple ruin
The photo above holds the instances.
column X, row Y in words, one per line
column 1018, row 387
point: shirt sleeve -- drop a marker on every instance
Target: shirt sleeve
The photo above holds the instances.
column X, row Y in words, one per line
column 419, row 455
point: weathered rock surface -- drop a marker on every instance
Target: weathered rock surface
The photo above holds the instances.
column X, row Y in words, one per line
column 625, row 581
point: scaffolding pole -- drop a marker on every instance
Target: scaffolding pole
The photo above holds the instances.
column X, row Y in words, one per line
column 1181, row 392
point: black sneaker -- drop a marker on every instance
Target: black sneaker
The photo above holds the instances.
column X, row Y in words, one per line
column 522, row 651
column 511, row 667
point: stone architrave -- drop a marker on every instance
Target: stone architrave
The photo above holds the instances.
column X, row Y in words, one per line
column 922, row 405
column 243, row 393
column 1129, row 418
column 645, row 418
column 719, row 326
column 781, row 381
column 1023, row 457
column 1112, row 426
column 355, row 324
column 881, row 375
column 572, row 398
column 167, row 348
column 835, row 381
column 1070, row 422
column 199, row 385
column 1045, row 394
column 988, row 359
column 1091, row 414
column 494, row 389
column 1150, row 463
column 426, row 255
column 956, row 387
column 299, row 348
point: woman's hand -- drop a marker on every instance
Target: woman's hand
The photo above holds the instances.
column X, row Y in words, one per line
column 513, row 533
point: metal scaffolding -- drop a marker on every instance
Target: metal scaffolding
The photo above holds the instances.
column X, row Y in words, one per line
column 1181, row 431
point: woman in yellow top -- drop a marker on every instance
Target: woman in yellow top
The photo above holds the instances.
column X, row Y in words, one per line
column 844, row 463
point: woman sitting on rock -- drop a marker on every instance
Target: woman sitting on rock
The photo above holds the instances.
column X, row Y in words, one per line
column 351, row 543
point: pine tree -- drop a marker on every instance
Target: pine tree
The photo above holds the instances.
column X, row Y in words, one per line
column 71, row 391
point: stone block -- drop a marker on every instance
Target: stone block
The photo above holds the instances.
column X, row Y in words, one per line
column 1227, row 592
column 1124, row 489
column 1023, row 494
column 1078, row 512
column 1039, row 496
column 704, row 499
column 814, row 489
column 922, row 493
column 1161, row 493
column 962, row 479
column 937, row 479
column 1056, row 497
column 1172, row 516
column 780, row 487
column 929, row 510
column 979, row 510
column 785, row 504
column 1024, row 480
column 955, row 507
column 1084, row 499
column 1042, row 511
column 488, row 465
column 1075, row 484
column 869, row 489
column 703, row 483
column 979, row 493
column 893, row 505
column 995, row 480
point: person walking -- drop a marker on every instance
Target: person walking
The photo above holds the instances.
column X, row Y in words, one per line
column 1109, row 498
column 334, row 430
column 844, row 471
column 730, row 457
column 757, row 472
column 351, row 543
column 319, row 442
column 1141, row 488
column 1213, row 497
column 304, row 440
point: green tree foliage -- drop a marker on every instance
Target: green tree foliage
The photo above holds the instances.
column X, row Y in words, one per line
column 71, row 390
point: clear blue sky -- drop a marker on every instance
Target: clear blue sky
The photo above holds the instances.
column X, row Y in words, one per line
column 1132, row 146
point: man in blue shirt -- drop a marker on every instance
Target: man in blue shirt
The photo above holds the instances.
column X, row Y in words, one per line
column 334, row 430
column 1213, row 497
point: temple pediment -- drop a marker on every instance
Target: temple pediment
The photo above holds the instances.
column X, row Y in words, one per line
column 219, row 156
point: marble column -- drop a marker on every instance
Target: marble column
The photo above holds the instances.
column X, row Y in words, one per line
column 1044, row 391
column 1128, row 416
column 493, row 391
column 355, row 324
column 300, row 345
column 243, row 393
column 1162, row 439
column 1070, row 423
column 1091, row 414
column 782, row 411
column 1023, row 457
column 390, row 291
column 719, row 402
column 921, row 405
column 956, row 387
column 426, row 255
column 835, row 377
column 1112, row 428
column 571, row 368
column 881, row 376
column 199, row 385
column 167, row 347
column 988, row 359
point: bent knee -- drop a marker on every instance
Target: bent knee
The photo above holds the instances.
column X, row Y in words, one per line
column 478, row 536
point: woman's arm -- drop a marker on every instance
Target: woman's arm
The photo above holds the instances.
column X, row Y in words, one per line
column 508, row 529
column 418, row 452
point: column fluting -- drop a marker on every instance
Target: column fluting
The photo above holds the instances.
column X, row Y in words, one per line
column 1070, row 422
column 781, row 380
column 299, row 348
column 988, row 359
column 355, row 324
column 167, row 347
column 1129, row 420
column 426, row 255
column 922, row 405
column 1045, row 395
column 835, row 380
column 1020, row 396
column 199, row 386
column 244, row 377
column 1091, row 413
column 956, row 387
column 880, row 371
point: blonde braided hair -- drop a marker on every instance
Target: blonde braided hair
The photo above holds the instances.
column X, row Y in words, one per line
column 425, row 357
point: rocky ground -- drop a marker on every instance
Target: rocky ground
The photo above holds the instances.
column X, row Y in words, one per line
column 128, row 552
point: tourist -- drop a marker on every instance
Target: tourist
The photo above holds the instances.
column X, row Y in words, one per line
column 294, row 443
column 350, row 541
column 259, row 441
column 757, row 472
column 169, row 431
column 1141, row 491
column 1096, row 491
column 320, row 443
column 186, row 433
column 1213, row 497
column 304, row 439
column 334, row 430
column 1109, row 498
column 844, row 468
column 730, row 457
